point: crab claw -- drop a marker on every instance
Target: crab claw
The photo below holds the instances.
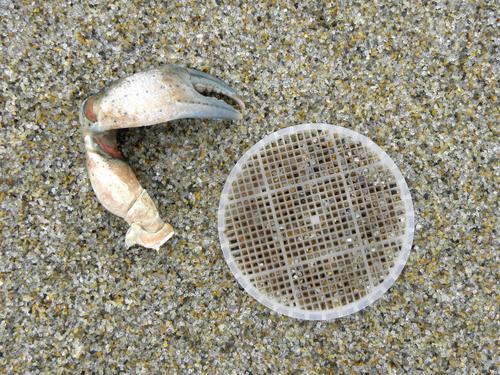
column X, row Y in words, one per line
column 155, row 96
column 159, row 95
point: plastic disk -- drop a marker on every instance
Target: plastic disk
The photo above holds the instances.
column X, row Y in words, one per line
column 316, row 221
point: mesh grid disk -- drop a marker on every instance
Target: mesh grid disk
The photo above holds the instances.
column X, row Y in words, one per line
column 316, row 221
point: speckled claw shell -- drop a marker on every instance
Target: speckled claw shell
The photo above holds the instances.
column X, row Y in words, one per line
column 163, row 94
column 151, row 97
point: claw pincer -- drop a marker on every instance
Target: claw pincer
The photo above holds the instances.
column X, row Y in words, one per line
column 147, row 98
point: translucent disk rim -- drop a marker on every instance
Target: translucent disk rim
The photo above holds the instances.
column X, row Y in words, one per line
column 377, row 291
